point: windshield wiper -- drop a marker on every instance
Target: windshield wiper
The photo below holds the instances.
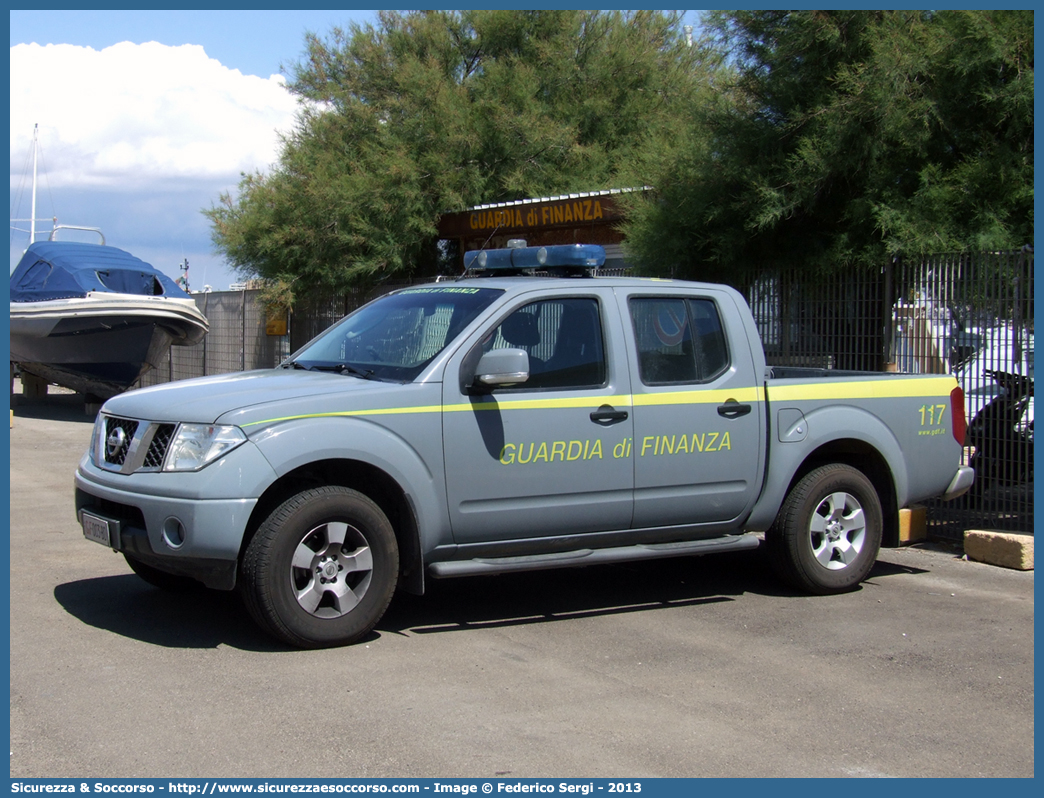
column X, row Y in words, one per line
column 345, row 368
column 339, row 368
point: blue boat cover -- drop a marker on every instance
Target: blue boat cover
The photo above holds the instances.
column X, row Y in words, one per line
column 66, row 269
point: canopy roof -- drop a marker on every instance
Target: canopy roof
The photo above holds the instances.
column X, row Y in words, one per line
column 65, row 269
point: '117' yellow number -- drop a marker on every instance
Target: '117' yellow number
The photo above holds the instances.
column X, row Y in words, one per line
column 932, row 415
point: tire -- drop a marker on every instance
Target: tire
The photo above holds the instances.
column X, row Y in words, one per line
column 828, row 532
column 322, row 568
column 161, row 579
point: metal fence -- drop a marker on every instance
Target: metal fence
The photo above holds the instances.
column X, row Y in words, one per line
column 820, row 322
column 241, row 337
column 237, row 340
column 969, row 315
column 972, row 316
column 966, row 315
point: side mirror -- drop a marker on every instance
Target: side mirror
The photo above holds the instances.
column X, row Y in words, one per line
column 502, row 367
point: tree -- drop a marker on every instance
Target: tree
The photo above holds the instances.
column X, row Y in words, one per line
column 841, row 138
column 429, row 112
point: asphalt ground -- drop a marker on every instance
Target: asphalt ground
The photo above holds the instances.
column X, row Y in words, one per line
column 691, row 667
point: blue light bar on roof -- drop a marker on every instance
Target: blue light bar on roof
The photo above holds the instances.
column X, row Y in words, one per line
column 561, row 255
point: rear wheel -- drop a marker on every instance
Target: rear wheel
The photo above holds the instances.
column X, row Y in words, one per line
column 828, row 532
column 321, row 569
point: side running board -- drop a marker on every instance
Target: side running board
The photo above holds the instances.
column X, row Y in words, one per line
column 583, row 557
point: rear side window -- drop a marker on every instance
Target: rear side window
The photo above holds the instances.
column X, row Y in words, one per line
column 679, row 340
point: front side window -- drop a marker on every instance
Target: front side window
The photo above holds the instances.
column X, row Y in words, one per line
column 679, row 340
column 396, row 336
column 563, row 338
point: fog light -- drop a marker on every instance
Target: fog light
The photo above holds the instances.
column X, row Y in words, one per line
column 173, row 533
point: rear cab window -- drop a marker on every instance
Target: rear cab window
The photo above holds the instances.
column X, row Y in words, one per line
column 678, row 339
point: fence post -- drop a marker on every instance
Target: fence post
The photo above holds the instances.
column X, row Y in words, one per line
column 1017, row 311
column 887, row 311
column 242, row 349
column 206, row 307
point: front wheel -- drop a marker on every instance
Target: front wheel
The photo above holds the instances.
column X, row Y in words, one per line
column 321, row 569
column 828, row 532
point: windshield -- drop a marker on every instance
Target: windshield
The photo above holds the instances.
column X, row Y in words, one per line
column 396, row 336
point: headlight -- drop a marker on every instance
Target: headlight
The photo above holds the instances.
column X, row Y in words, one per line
column 98, row 441
column 196, row 445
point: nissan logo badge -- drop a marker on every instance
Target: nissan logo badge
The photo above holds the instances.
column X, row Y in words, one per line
column 115, row 442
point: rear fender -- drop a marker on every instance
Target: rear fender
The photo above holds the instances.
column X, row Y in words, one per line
column 828, row 428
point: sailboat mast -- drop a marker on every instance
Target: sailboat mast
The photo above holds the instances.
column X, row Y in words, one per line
column 32, row 215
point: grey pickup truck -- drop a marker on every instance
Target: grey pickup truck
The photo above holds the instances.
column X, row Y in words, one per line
column 533, row 415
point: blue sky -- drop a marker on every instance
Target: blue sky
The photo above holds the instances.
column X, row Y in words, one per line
column 150, row 209
column 146, row 117
column 254, row 42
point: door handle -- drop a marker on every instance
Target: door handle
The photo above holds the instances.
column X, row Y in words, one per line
column 733, row 409
column 607, row 414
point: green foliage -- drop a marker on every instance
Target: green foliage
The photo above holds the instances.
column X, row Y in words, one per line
column 429, row 112
column 837, row 139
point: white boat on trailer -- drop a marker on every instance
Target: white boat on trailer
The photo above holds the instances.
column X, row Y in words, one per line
column 95, row 318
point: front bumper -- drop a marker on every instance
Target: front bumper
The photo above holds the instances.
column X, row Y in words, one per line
column 214, row 573
column 147, row 537
column 188, row 524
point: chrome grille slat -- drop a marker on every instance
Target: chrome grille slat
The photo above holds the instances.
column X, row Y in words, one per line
column 161, row 438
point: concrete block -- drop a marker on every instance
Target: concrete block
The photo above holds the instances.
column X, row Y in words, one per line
column 913, row 524
column 1006, row 549
column 33, row 387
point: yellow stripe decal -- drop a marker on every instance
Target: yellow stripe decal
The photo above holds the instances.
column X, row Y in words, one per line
column 864, row 389
column 384, row 411
column 518, row 404
column 697, row 397
column 875, row 388
column 584, row 401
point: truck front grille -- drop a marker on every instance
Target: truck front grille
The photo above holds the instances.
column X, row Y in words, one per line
column 130, row 445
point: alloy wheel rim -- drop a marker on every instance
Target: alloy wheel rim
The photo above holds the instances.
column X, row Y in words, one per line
column 331, row 570
column 837, row 531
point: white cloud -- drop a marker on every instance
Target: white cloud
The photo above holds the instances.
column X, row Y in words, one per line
column 135, row 115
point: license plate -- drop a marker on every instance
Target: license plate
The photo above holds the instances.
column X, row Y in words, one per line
column 100, row 530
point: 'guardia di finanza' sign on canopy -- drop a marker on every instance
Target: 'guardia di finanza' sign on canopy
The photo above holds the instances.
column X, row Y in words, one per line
column 532, row 215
